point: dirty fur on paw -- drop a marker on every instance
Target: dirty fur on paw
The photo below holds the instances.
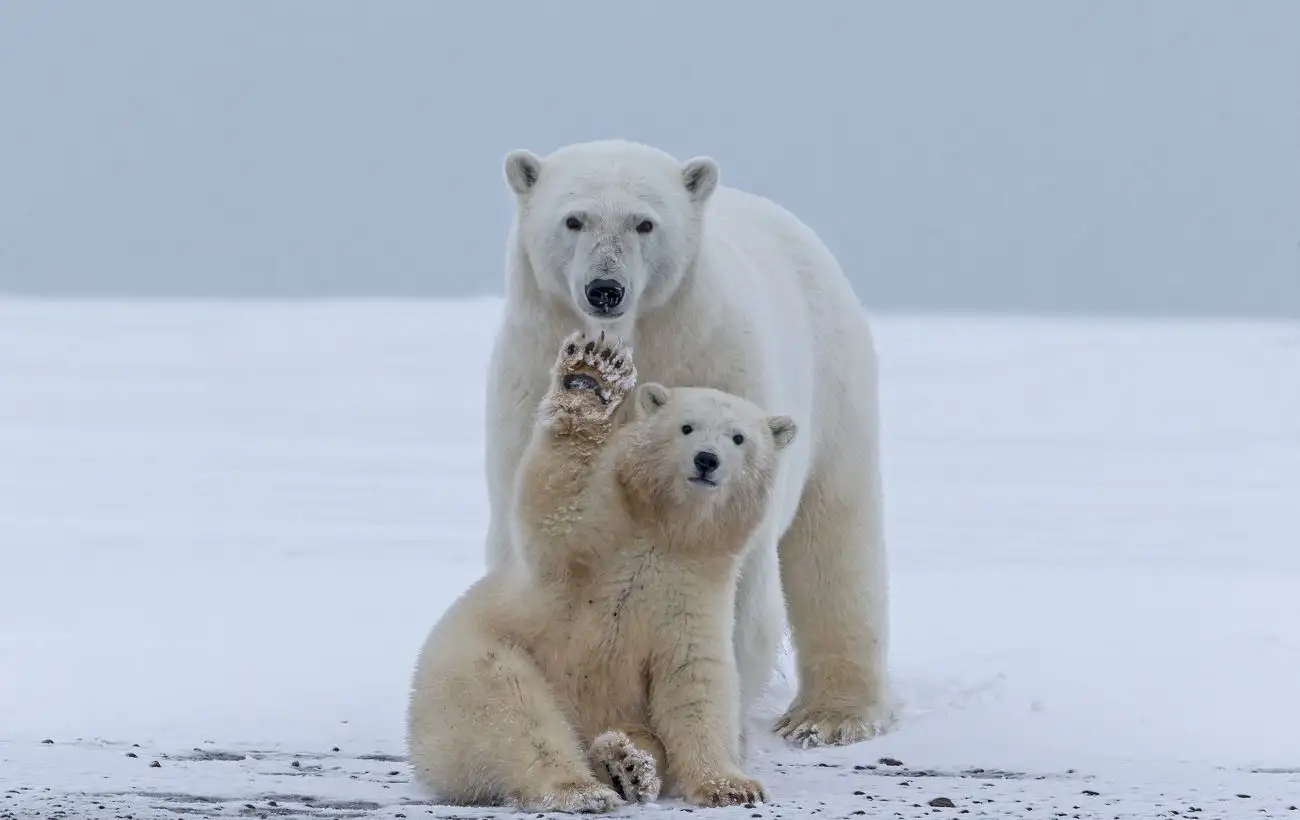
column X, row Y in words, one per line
column 592, row 375
column 630, row 769
column 809, row 728
column 577, row 797
column 726, row 791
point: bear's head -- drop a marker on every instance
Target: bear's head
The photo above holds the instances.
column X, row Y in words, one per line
column 610, row 227
column 710, row 453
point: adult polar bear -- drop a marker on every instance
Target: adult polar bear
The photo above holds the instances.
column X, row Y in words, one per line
column 719, row 288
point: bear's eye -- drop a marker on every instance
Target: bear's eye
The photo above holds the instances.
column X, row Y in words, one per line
column 739, row 439
column 686, row 429
column 645, row 226
column 573, row 223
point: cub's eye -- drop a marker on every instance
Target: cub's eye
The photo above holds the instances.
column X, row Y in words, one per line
column 739, row 439
column 645, row 226
column 686, row 429
column 573, row 223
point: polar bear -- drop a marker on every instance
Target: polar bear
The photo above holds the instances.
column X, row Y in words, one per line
column 599, row 667
column 716, row 288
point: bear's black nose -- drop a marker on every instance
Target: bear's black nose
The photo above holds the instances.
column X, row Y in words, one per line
column 604, row 294
column 706, row 462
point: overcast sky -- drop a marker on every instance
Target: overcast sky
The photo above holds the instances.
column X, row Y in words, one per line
column 1081, row 156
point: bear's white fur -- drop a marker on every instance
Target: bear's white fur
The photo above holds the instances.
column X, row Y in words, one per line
column 722, row 289
column 601, row 662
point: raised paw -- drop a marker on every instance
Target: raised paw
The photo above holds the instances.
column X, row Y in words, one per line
column 578, row 796
column 810, row 726
column 733, row 790
column 631, row 770
column 592, row 375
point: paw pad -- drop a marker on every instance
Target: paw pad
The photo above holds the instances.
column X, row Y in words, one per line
column 631, row 770
column 602, row 365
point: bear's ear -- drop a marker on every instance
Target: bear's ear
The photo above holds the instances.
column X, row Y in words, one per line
column 700, row 175
column 523, row 169
column 650, row 398
column 783, row 429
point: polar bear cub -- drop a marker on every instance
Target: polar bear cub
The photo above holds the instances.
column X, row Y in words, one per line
column 599, row 669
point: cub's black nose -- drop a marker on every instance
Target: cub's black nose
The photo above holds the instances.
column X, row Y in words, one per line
column 706, row 462
column 604, row 294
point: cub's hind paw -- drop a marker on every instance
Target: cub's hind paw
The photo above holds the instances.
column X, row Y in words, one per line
column 631, row 770
column 584, row 797
column 593, row 374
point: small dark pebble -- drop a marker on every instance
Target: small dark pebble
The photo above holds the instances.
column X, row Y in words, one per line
column 1091, row 793
column 749, row 805
column 47, row 741
column 296, row 764
column 860, row 811
column 394, row 773
column 132, row 754
column 155, row 765
column 272, row 803
column 335, row 749
column 135, row 745
column 1244, row 796
column 890, row 761
column 942, row 803
column 859, row 793
column 401, row 817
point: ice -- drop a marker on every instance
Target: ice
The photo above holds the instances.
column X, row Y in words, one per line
column 226, row 527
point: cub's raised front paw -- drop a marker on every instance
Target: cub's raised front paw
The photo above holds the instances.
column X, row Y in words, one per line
column 726, row 790
column 592, row 375
column 631, row 770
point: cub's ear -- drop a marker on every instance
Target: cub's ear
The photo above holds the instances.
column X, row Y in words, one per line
column 700, row 176
column 523, row 169
column 650, row 398
column 783, row 429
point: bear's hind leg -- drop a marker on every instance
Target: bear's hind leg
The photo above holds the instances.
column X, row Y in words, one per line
column 487, row 729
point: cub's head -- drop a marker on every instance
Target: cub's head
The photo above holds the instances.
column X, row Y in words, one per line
column 703, row 449
column 609, row 227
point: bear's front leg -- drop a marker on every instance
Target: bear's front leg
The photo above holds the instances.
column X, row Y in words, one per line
column 833, row 574
column 695, row 709
column 589, row 381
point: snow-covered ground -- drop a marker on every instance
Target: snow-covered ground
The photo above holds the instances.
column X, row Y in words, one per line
column 226, row 528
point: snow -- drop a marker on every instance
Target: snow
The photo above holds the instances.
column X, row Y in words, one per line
column 225, row 528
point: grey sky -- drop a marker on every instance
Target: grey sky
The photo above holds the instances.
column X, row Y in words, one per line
column 1084, row 156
